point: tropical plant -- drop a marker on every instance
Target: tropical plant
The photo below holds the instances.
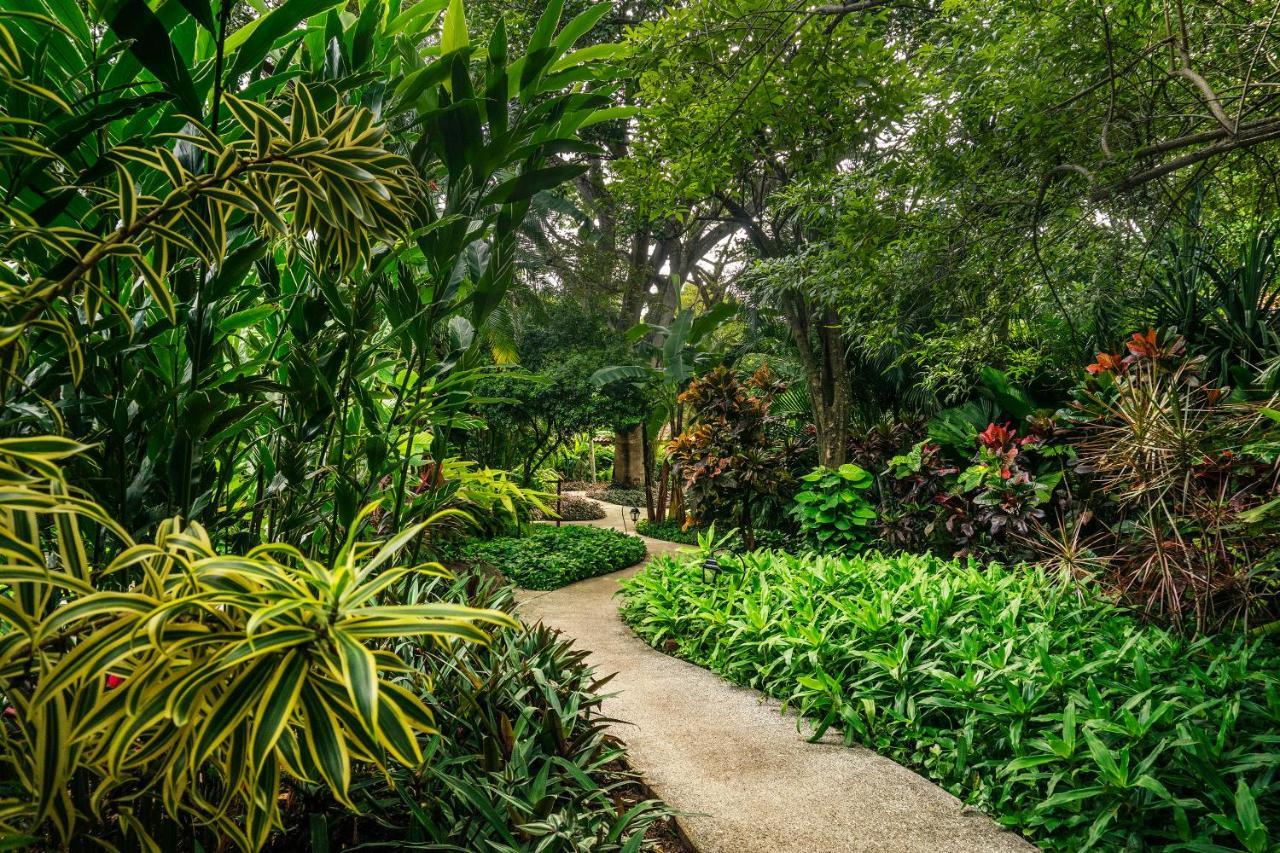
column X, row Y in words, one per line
column 731, row 455
column 249, row 259
column 1041, row 703
column 527, row 761
column 1007, row 498
column 917, row 485
column 832, row 509
column 1187, row 477
column 1224, row 306
column 549, row 557
column 669, row 531
column 256, row 264
column 678, row 354
column 171, row 688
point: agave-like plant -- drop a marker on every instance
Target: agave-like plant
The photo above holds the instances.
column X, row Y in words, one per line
column 178, row 674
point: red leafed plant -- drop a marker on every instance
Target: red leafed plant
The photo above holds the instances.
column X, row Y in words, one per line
column 1184, row 489
column 730, row 456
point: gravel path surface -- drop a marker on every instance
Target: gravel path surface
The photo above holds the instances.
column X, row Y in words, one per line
column 745, row 778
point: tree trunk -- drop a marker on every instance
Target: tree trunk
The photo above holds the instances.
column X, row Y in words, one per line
column 647, row 451
column 664, row 477
column 675, row 509
column 828, row 379
column 628, row 458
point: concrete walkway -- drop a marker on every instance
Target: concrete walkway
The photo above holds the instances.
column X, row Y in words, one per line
column 744, row 777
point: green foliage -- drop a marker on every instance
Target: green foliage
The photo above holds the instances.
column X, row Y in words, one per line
column 549, row 557
column 621, row 497
column 957, row 428
column 528, row 759
column 667, row 368
column 573, row 508
column 492, row 496
column 256, row 264
column 534, row 415
column 767, row 539
column 668, row 531
column 173, row 665
column 248, row 262
column 1041, row 704
column 832, row 509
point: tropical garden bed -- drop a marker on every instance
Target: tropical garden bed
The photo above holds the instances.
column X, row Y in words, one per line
column 977, row 374
column 548, row 557
column 1034, row 700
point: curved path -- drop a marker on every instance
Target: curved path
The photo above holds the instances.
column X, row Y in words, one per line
column 743, row 776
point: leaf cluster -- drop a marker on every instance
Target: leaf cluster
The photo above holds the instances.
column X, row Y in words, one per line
column 1044, row 705
column 549, row 557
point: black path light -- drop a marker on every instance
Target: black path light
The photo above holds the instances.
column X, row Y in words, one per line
column 712, row 567
column 635, row 517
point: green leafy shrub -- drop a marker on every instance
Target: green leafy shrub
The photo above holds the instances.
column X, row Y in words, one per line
column 767, row 539
column 1050, row 709
column 832, row 511
column 550, row 557
column 572, row 508
column 773, row 539
column 182, row 685
column 621, row 497
column 526, row 763
column 668, row 531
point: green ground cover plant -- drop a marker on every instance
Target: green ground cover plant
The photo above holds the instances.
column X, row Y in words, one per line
column 550, row 557
column 572, row 508
column 621, row 497
column 669, row 531
column 766, row 538
column 1033, row 700
column 831, row 509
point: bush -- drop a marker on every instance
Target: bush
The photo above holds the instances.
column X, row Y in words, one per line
column 572, row 508
column 622, row 497
column 832, row 511
column 156, row 697
column 1183, row 478
column 733, row 455
column 525, row 760
column 767, row 539
column 550, row 557
column 668, row 531
column 772, row 539
column 1052, row 710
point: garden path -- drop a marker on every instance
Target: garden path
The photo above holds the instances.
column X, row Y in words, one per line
column 742, row 774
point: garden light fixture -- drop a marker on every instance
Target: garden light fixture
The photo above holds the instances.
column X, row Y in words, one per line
column 711, row 568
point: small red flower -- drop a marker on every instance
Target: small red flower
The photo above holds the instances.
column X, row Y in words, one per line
column 113, row 681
